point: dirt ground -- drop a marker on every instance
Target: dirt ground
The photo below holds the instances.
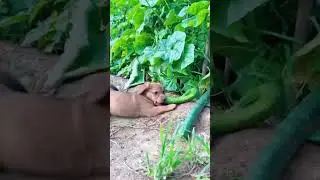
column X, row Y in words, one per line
column 233, row 153
column 130, row 139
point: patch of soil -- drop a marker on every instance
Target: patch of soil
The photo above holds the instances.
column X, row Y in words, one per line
column 130, row 139
column 233, row 154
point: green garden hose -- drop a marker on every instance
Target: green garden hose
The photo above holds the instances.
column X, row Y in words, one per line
column 300, row 124
column 189, row 122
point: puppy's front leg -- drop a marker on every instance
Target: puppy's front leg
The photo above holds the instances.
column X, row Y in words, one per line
column 141, row 88
column 156, row 110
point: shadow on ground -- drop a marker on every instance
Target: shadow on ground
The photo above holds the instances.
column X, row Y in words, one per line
column 233, row 153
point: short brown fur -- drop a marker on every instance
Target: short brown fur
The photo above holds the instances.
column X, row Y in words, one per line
column 146, row 101
column 54, row 137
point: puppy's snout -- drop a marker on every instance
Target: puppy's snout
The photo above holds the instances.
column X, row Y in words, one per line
column 160, row 99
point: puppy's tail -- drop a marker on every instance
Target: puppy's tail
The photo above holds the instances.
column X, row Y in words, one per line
column 113, row 87
column 11, row 82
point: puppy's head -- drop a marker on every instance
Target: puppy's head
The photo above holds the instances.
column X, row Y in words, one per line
column 155, row 93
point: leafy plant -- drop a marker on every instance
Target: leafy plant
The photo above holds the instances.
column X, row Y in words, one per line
column 261, row 42
column 175, row 151
column 268, row 41
column 43, row 24
column 84, row 52
column 160, row 40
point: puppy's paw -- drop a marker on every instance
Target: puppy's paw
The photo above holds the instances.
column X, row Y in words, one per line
column 172, row 106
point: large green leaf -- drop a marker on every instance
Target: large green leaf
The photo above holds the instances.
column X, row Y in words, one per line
column 201, row 16
column 35, row 34
column 234, row 31
column 241, row 54
column 150, row 3
column 136, row 16
column 230, row 11
column 120, row 45
column 307, row 63
column 196, row 7
column 183, row 11
column 38, row 11
column 188, row 56
column 4, row 7
column 240, row 8
column 170, row 84
column 172, row 18
column 136, row 76
column 171, row 49
column 195, row 21
column 149, row 56
column 141, row 41
column 86, row 46
column 14, row 26
column 18, row 6
column 7, row 22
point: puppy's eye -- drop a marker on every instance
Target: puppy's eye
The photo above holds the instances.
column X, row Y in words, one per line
column 156, row 92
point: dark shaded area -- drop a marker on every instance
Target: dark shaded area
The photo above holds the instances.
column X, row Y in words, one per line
column 29, row 64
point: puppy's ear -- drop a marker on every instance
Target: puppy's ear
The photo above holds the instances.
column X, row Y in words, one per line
column 140, row 89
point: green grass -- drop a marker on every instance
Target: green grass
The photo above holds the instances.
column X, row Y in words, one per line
column 175, row 152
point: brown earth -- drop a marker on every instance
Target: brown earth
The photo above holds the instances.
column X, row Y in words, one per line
column 233, row 154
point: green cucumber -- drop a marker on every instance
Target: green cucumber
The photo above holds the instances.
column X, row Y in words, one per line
column 186, row 97
column 254, row 107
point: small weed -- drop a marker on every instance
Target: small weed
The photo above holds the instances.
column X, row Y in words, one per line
column 176, row 151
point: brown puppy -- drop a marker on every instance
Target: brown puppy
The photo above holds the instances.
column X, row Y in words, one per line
column 152, row 91
column 146, row 101
column 53, row 137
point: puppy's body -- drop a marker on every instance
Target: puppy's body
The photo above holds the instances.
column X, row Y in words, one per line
column 145, row 102
column 53, row 137
column 69, row 142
